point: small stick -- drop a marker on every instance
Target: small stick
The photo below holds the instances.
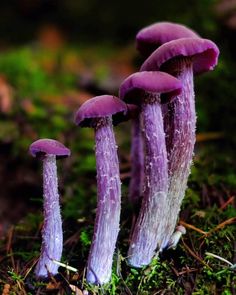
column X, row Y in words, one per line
column 9, row 240
column 30, row 269
column 192, row 227
column 195, row 255
column 230, row 200
column 220, row 226
column 189, row 270
column 209, row 136
column 219, row 257
column 65, row 266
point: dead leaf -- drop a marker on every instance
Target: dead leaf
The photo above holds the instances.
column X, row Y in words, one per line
column 209, row 136
column 51, row 37
column 5, row 96
column 76, row 290
column 53, row 286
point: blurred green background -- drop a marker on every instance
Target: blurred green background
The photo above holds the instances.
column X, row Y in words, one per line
column 48, row 27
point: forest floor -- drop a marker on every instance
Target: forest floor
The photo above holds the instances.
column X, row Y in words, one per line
column 40, row 100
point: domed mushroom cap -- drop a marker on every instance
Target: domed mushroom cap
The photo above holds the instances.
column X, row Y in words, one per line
column 133, row 88
column 181, row 229
column 99, row 107
column 204, row 54
column 42, row 147
column 150, row 38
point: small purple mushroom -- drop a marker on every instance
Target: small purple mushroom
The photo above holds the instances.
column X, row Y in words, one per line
column 99, row 113
column 52, row 238
column 151, row 37
column 180, row 230
column 181, row 58
column 145, row 89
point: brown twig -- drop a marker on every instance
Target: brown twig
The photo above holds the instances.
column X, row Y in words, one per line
column 27, row 269
column 229, row 201
column 209, row 136
column 220, row 226
column 188, row 270
column 9, row 246
column 9, row 240
column 192, row 227
column 195, row 255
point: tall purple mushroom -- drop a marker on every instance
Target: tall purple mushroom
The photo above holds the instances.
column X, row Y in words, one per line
column 52, row 237
column 181, row 58
column 147, row 40
column 151, row 37
column 145, row 89
column 100, row 112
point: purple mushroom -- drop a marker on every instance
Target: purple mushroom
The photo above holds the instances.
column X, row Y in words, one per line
column 48, row 150
column 145, row 89
column 181, row 58
column 137, row 162
column 100, row 112
column 151, row 37
column 147, row 40
column 137, row 157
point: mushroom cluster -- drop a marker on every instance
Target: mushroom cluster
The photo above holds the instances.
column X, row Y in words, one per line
column 149, row 89
column 181, row 58
column 160, row 101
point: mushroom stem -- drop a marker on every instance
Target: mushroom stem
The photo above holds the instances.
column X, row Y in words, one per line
column 137, row 163
column 148, row 231
column 180, row 125
column 52, row 237
column 109, row 198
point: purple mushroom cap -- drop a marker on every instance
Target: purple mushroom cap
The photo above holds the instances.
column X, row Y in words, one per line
column 153, row 36
column 181, row 229
column 204, row 54
column 41, row 147
column 98, row 107
column 134, row 87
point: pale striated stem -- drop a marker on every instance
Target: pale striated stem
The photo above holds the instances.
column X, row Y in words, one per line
column 137, row 163
column 148, row 232
column 109, row 205
column 52, row 237
column 180, row 125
